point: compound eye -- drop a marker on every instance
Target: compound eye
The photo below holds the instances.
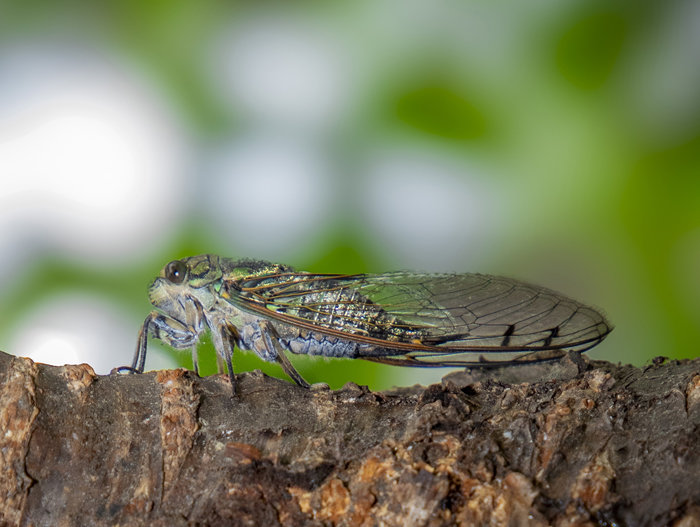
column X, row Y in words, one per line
column 175, row 271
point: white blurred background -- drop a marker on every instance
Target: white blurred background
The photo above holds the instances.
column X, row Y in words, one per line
column 555, row 142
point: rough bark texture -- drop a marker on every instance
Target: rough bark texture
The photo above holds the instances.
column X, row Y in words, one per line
column 547, row 445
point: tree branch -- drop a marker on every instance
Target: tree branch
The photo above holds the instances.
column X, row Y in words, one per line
column 536, row 445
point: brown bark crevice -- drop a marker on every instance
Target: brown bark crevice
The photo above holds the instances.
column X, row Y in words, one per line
column 544, row 444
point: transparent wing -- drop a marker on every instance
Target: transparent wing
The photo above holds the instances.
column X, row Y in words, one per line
column 426, row 318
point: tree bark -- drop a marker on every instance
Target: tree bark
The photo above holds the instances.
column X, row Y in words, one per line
column 573, row 443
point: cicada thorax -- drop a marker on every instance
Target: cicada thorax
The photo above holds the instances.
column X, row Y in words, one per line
column 236, row 272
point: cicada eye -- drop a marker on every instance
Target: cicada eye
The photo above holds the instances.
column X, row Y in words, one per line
column 175, row 271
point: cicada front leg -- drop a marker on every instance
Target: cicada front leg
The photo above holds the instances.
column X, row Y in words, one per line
column 167, row 329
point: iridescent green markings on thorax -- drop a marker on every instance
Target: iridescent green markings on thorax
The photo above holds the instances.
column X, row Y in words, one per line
column 401, row 318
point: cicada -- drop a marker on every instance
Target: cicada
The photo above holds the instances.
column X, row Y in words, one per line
column 399, row 318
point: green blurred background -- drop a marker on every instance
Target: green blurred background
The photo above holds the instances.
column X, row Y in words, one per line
column 555, row 142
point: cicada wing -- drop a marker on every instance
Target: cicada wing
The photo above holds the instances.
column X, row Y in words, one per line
column 423, row 317
column 448, row 357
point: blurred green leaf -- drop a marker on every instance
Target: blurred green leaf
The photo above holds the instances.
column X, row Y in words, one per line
column 589, row 47
column 439, row 107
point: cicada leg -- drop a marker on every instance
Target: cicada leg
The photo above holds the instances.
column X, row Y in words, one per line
column 167, row 329
column 290, row 370
column 139, row 361
column 220, row 364
column 225, row 338
column 271, row 339
column 195, row 365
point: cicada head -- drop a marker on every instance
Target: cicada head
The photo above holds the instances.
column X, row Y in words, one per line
column 199, row 270
column 188, row 275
